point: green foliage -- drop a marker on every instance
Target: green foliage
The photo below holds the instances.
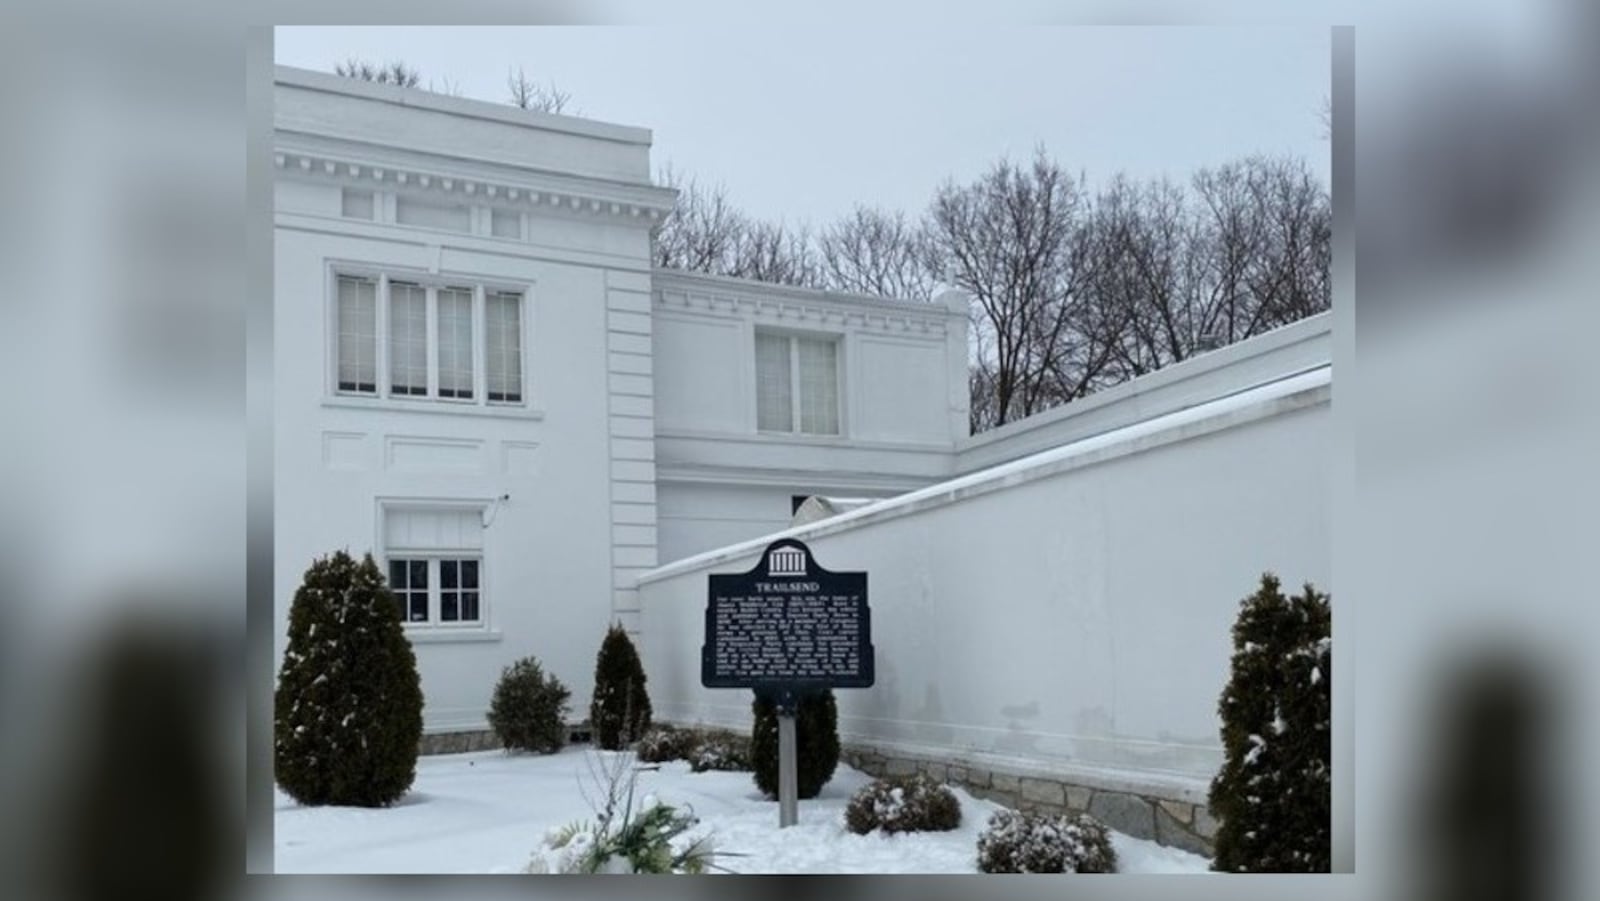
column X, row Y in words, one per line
column 916, row 803
column 624, row 837
column 348, row 706
column 816, row 727
column 619, row 714
column 1272, row 797
column 529, row 708
column 1018, row 842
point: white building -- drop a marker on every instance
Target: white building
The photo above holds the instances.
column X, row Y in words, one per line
column 480, row 379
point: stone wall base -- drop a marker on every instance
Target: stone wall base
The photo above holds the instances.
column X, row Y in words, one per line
column 1178, row 824
column 462, row 742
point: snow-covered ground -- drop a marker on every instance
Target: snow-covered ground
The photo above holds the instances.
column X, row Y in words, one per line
column 486, row 812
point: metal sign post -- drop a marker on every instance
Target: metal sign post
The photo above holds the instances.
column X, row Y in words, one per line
column 787, row 628
column 788, row 774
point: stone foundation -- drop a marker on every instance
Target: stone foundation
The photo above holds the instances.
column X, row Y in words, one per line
column 1169, row 821
column 485, row 740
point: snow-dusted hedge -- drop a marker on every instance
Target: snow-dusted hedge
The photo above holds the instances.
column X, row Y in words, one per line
column 903, row 804
column 529, row 709
column 663, row 743
column 1273, row 794
column 1018, row 842
column 720, row 751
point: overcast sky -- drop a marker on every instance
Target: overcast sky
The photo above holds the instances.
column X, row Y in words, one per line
column 804, row 123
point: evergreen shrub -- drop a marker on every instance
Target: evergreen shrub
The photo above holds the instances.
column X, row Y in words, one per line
column 619, row 714
column 816, row 727
column 529, row 709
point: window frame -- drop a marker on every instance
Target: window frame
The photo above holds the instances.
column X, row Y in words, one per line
column 435, row 625
column 792, row 339
column 431, row 283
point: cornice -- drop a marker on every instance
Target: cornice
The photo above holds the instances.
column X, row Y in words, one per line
column 644, row 205
column 803, row 310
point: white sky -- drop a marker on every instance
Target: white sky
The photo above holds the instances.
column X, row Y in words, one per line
column 802, row 123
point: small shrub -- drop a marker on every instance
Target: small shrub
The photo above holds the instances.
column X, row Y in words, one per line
column 663, row 743
column 816, row 737
column 720, row 751
column 1272, row 796
column 903, row 804
column 348, row 705
column 620, row 711
column 1017, row 842
column 529, row 708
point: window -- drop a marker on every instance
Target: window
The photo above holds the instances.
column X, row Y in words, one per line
column 455, row 342
column 408, row 339
column 445, row 341
column 504, row 327
column 797, row 384
column 505, row 223
column 435, row 557
column 358, row 335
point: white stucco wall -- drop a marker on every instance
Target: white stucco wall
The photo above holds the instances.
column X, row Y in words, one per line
column 577, row 459
column 1069, row 610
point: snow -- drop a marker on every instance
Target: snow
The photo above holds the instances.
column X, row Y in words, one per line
column 486, row 812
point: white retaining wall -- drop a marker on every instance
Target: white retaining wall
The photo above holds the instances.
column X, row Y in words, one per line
column 1066, row 613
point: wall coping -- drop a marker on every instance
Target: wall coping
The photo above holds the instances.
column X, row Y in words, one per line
column 1311, row 328
column 1279, row 396
column 727, row 284
column 327, row 82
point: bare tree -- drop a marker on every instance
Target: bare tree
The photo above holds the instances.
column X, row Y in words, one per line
column 879, row 252
column 1013, row 240
column 773, row 252
column 396, row 73
column 529, row 94
column 702, row 232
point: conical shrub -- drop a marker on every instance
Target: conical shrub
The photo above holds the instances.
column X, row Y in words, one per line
column 1273, row 795
column 816, row 738
column 619, row 712
column 348, row 706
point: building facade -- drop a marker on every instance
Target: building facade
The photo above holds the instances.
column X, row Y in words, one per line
column 481, row 381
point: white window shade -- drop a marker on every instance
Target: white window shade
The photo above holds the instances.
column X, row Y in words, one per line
column 408, row 338
column 413, row 530
column 503, row 325
column 774, row 393
column 455, row 342
column 818, row 365
column 358, row 334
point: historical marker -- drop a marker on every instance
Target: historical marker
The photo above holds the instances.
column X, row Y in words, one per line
column 786, row 628
column 788, row 625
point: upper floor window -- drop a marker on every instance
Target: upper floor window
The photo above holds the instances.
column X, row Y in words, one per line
column 434, row 337
column 797, row 384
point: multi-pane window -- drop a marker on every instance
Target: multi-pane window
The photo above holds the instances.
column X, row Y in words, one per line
column 358, row 334
column 440, row 341
column 503, row 323
column 435, row 557
column 797, row 384
column 408, row 339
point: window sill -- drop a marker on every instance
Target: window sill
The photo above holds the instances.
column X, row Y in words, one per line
column 434, row 635
column 445, row 407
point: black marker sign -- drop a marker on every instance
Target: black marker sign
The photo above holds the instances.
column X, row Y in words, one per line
column 787, row 626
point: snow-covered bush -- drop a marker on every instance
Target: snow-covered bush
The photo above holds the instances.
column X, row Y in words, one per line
column 620, row 710
column 916, row 803
column 720, row 751
column 816, row 738
column 1273, row 795
column 663, row 743
column 347, row 711
column 623, row 838
column 1018, row 842
column 529, row 709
